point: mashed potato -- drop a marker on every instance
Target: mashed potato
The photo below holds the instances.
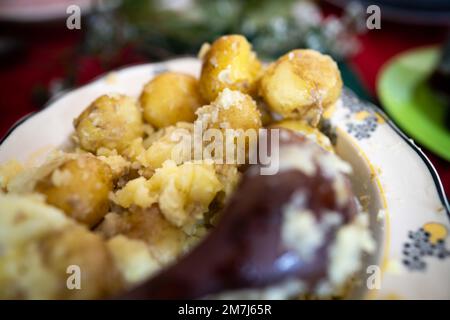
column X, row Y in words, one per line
column 133, row 259
column 39, row 243
column 164, row 241
column 183, row 192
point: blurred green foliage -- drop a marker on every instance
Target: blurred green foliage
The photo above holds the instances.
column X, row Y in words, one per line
column 161, row 29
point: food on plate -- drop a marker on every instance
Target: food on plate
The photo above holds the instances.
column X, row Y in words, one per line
column 9, row 170
column 111, row 121
column 229, row 63
column 164, row 241
column 310, row 221
column 79, row 185
column 169, row 98
column 119, row 165
column 301, row 84
column 164, row 146
column 80, row 188
column 41, row 248
column 231, row 109
column 133, row 259
column 182, row 192
column 148, row 207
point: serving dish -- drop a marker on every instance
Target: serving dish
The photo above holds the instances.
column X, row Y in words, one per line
column 408, row 209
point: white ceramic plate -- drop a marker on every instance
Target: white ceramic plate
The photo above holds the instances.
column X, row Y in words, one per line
column 409, row 211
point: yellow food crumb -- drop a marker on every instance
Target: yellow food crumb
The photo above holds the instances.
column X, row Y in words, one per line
column 118, row 164
column 168, row 145
column 8, row 171
column 185, row 191
column 133, row 259
column 134, row 192
column 61, row 177
column 135, row 149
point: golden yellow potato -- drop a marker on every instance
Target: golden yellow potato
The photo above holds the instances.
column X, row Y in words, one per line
column 79, row 187
column 170, row 97
column 236, row 111
column 310, row 132
column 300, row 84
column 164, row 241
column 76, row 246
column 119, row 165
column 167, row 145
column 133, row 258
column 229, row 63
column 185, row 192
column 8, row 171
column 39, row 243
column 111, row 121
column 231, row 109
column 229, row 176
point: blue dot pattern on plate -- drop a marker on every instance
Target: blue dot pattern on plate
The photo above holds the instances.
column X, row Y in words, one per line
column 419, row 246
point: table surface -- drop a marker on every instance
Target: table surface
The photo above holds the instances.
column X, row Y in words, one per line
column 49, row 54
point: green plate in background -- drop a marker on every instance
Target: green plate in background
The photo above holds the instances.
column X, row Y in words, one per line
column 410, row 103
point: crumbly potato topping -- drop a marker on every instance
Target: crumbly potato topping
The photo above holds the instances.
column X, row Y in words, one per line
column 164, row 146
column 229, row 63
column 39, row 243
column 133, row 259
column 8, row 171
column 164, row 241
column 231, row 109
column 182, row 192
column 111, row 121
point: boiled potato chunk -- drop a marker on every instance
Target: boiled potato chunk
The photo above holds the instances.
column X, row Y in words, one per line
column 39, row 246
column 8, row 171
column 80, row 188
column 229, row 63
column 111, row 121
column 185, row 191
column 239, row 118
column 133, row 259
column 76, row 246
column 164, row 147
column 231, row 110
column 300, row 84
column 169, row 98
